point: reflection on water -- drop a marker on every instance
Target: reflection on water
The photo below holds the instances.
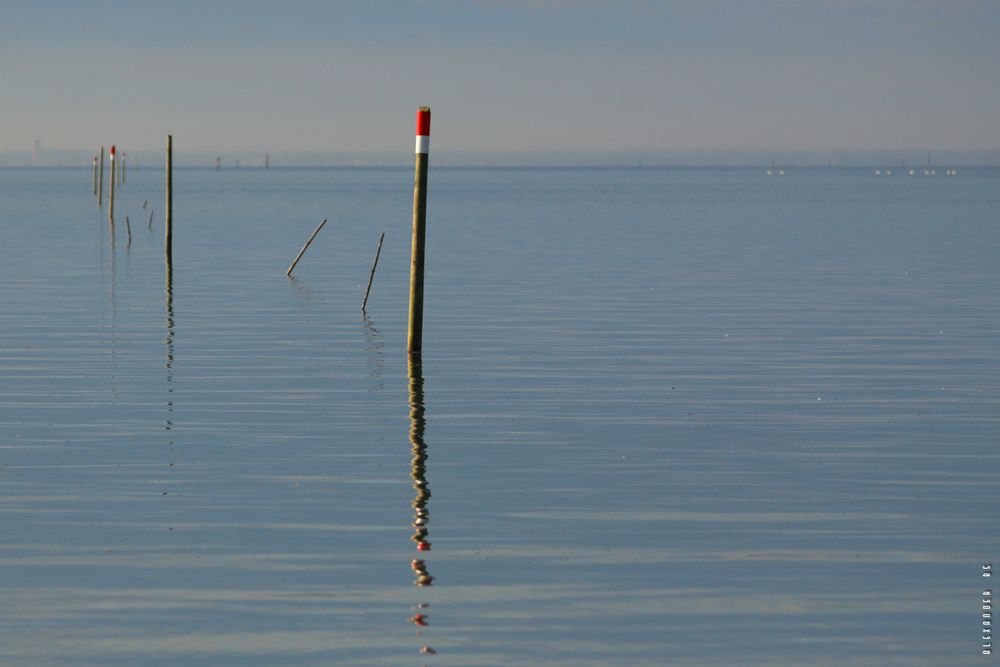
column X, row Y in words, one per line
column 169, row 363
column 374, row 348
column 303, row 289
column 418, row 472
column 629, row 454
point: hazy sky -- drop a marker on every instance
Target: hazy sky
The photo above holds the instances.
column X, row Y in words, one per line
column 501, row 74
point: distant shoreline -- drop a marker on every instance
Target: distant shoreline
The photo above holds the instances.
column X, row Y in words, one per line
column 889, row 158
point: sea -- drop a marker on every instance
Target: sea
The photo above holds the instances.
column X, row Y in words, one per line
column 662, row 416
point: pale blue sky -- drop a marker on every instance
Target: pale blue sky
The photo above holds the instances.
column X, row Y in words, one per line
column 502, row 74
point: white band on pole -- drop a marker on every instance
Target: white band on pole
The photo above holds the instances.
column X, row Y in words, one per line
column 423, row 144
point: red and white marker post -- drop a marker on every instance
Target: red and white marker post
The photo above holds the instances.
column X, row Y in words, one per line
column 111, row 191
column 414, row 338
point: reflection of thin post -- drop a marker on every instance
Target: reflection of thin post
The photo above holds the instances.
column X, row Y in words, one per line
column 414, row 337
column 303, row 251
column 100, row 186
column 128, row 228
column 168, row 241
column 372, row 276
column 169, row 364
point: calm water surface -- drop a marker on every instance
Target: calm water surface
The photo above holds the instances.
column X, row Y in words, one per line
column 663, row 417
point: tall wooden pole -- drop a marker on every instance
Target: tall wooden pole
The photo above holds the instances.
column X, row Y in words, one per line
column 167, row 236
column 100, row 186
column 111, row 190
column 415, row 333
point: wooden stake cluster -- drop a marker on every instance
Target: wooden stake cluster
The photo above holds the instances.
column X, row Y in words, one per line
column 422, row 163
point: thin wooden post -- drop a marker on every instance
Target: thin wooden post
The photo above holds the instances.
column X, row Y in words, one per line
column 128, row 228
column 100, row 187
column 124, row 160
column 372, row 276
column 111, row 190
column 168, row 241
column 303, row 251
column 95, row 175
column 415, row 333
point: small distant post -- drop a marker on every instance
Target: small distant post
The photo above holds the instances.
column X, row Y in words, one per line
column 167, row 236
column 111, row 191
column 267, row 161
column 100, row 187
column 95, row 175
column 414, row 336
column 124, row 159
column 218, row 163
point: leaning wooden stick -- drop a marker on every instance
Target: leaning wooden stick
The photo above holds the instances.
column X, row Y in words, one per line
column 372, row 276
column 128, row 228
column 303, row 251
column 150, row 225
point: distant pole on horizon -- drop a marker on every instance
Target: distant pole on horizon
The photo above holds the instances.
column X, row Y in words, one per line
column 111, row 191
column 415, row 332
column 267, row 161
column 168, row 240
column 218, row 163
column 123, row 167
column 100, row 187
column 95, row 175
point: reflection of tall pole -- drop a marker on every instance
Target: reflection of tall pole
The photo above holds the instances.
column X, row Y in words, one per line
column 418, row 472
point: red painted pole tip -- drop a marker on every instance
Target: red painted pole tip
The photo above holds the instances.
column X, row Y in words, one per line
column 112, row 150
column 424, row 122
